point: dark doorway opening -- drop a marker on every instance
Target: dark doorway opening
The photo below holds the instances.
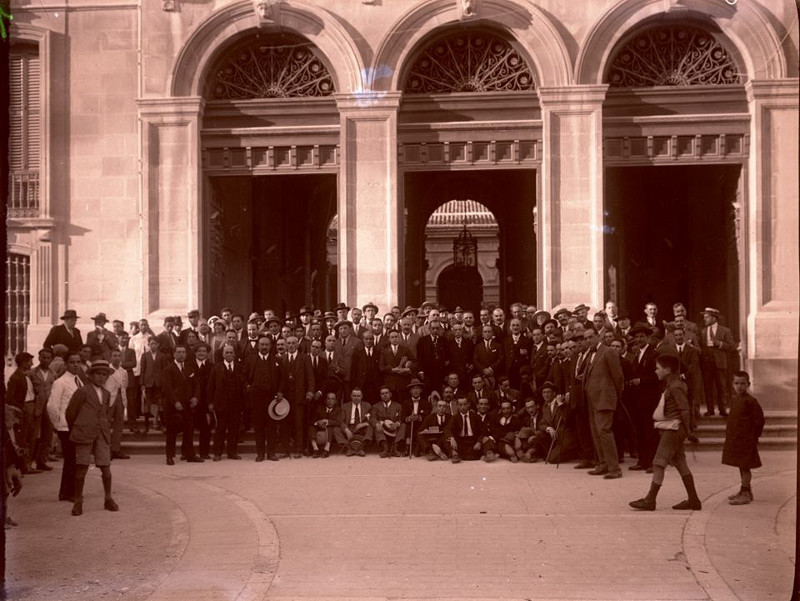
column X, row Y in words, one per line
column 459, row 287
column 670, row 235
column 511, row 197
column 268, row 241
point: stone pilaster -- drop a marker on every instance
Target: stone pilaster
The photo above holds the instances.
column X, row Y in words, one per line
column 369, row 250
column 571, row 208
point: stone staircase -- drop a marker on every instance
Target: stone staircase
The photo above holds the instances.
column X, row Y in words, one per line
column 780, row 433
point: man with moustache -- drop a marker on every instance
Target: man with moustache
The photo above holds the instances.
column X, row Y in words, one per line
column 262, row 374
column 517, row 350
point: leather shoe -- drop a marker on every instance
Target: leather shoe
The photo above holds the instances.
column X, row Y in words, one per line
column 325, row 454
column 315, row 455
column 259, row 458
column 77, row 508
column 206, row 456
column 598, row 472
column 111, row 505
column 273, row 457
column 194, row 459
column 723, row 413
column 44, row 467
column 296, row 455
column 612, row 475
column 217, row 457
column 455, row 458
column 120, row 455
column 361, row 453
column 170, row 461
column 637, row 468
column 708, row 414
column 236, row 457
column 693, row 439
column 643, row 504
column 687, row 504
column 65, row 498
column 584, row 465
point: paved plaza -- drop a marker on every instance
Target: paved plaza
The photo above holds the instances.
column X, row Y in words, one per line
column 368, row 529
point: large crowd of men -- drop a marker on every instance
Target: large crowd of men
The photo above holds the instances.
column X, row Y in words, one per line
column 447, row 385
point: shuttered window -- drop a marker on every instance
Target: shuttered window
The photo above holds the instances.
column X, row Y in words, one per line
column 18, row 304
column 25, row 134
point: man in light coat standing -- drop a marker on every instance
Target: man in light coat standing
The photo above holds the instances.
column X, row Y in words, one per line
column 603, row 385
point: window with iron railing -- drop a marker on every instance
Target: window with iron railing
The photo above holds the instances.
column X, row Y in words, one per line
column 18, row 303
column 25, row 135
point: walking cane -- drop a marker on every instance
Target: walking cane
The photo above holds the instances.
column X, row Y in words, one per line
column 553, row 442
column 411, row 441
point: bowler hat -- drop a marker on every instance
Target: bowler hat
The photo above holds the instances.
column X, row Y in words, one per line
column 414, row 382
column 409, row 310
column 370, row 305
column 70, row 314
column 549, row 385
column 278, row 410
column 273, row 319
column 99, row 365
column 581, row 307
column 429, row 304
column 552, row 321
column 341, row 307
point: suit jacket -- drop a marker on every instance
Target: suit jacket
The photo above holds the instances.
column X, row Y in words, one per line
column 203, row 373
column 17, row 388
column 333, row 417
column 717, row 356
column 320, row 373
column 505, row 431
column 604, row 380
column 152, row 369
column 690, row 369
column 89, row 416
column 59, row 335
column 512, row 395
column 423, row 409
column 368, row 375
column 516, row 355
column 344, row 355
column 167, row 341
column 224, row 391
column 185, row 333
column 432, row 360
column 460, row 357
column 388, row 360
column 432, row 421
column 647, row 391
column 412, row 342
column 380, row 412
column 473, row 396
column 539, row 365
column 364, row 416
column 493, row 357
column 42, row 386
column 246, row 350
column 102, row 348
column 297, row 378
column 456, row 422
column 129, row 363
column 178, row 387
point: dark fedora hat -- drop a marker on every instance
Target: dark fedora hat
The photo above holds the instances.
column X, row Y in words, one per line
column 100, row 317
column 414, row 382
column 641, row 328
column 70, row 314
column 370, row 305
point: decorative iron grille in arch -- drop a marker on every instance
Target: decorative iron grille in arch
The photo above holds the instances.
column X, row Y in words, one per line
column 285, row 67
column 674, row 55
column 469, row 61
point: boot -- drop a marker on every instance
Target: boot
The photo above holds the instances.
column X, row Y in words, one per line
column 384, row 449
column 693, row 502
column 648, row 503
column 743, row 497
column 736, row 494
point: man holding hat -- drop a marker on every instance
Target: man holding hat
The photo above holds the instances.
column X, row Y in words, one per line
column 89, row 418
column 415, row 409
column 66, row 334
column 101, row 340
column 326, row 419
column 355, row 427
column 297, row 386
column 716, row 342
column 387, row 422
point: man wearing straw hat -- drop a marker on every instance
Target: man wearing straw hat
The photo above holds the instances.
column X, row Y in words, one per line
column 89, row 418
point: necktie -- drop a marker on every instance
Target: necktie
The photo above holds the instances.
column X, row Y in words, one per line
column 394, row 350
column 487, row 345
column 230, row 368
column 180, row 367
column 291, row 359
column 358, row 415
column 330, row 357
column 316, row 359
column 78, row 382
column 441, row 420
column 369, row 352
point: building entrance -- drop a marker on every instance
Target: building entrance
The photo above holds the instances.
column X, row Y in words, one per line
column 268, row 241
column 670, row 236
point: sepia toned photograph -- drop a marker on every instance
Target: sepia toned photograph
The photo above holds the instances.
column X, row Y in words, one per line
column 377, row 300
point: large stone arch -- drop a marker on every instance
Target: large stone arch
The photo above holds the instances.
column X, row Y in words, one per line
column 239, row 19
column 744, row 24
column 523, row 20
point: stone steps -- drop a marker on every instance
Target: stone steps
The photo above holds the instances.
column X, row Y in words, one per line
column 780, row 433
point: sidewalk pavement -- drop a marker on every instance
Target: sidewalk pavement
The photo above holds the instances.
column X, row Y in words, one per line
column 366, row 529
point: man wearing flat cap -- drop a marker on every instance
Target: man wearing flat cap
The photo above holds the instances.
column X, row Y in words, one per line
column 66, row 334
column 716, row 342
column 89, row 418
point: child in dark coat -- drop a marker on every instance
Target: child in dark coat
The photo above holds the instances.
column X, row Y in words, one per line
column 745, row 424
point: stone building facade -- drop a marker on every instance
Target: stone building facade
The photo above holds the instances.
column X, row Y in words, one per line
column 179, row 154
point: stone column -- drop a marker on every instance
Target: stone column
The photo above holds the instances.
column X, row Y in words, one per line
column 770, row 229
column 571, row 208
column 369, row 213
column 171, row 249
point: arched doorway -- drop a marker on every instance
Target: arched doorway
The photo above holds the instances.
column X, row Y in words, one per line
column 270, row 196
column 675, row 155
column 452, row 287
column 459, row 288
column 468, row 126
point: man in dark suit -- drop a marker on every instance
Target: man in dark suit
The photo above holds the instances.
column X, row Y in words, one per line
column 387, row 424
column 129, row 364
column 194, row 326
column 431, row 430
column 179, row 386
column 517, row 350
column 202, row 367
column 408, row 338
column 297, row 386
column 540, row 364
column 355, row 427
column 488, row 359
column 100, row 339
column 415, row 409
column 368, row 375
column 168, row 339
column 225, row 397
column 89, row 418
column 319, row 369
column 504, row 392
column 262, row 377
column 20, row 393
column 326, row 418
column 716, row 342
column 460, row 351
column 66, row 334
column 346, row 347
column 689, row 365
column 478, row 390
column 461, row 434
column 395, row 365
column 248, row 346
column 152, row 365
column 645, row 395
column 432, row 357
column 603, row 385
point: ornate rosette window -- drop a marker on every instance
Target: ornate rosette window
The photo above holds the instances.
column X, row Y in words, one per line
column 469, row 61
column 675, row 55
column 280, row 67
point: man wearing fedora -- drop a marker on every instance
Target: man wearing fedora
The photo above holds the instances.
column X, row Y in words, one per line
column 415, row 409
column 716, row 341
column 66, row 334
column 100, row 339
column 89, row 418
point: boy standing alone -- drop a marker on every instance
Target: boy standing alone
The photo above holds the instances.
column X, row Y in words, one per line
column 745, row 424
